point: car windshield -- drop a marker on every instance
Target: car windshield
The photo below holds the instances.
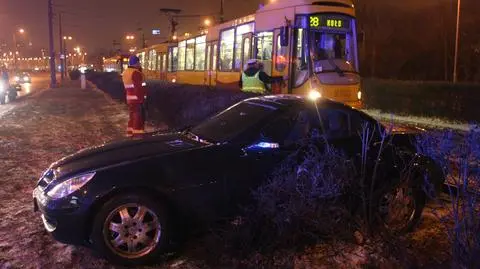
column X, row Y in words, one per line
column 233, row 121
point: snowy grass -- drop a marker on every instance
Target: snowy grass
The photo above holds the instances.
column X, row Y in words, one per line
column 427, row 122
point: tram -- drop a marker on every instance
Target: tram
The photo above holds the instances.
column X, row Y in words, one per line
column 313, row 42
column 115, row 64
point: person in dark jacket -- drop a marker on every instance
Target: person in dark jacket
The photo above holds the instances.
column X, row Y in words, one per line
column 255, row 80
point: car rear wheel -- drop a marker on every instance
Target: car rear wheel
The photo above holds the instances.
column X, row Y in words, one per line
column 131, row 230
column 401, row 209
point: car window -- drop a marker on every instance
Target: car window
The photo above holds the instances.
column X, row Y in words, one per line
column 334, row 123
column 280, row 129
column 233, row 121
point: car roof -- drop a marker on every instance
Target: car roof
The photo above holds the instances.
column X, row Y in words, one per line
column 289, row 100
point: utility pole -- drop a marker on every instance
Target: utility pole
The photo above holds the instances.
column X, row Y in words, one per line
column 53, row 77
column 61, row 45
column 144, row 44
column 15, row 47
column 455, row 65
column 222, row 14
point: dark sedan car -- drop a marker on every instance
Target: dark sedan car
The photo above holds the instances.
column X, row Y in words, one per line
column 128, row 198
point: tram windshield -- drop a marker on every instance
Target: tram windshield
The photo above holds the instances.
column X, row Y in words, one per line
column 327, row 43
column 332, row 51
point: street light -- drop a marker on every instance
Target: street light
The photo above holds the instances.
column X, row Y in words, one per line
column 207, row 22
column 20, row 31
column 65, row 38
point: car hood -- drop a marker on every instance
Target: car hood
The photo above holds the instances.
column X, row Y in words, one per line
column 123, row 151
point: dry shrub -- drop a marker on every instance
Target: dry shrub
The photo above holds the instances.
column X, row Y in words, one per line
column 302, row 203
column 458, row 155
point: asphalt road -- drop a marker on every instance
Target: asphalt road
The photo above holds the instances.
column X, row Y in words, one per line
column 40, row 81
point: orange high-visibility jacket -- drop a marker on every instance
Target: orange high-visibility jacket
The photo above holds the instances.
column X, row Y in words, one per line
column 135, row 86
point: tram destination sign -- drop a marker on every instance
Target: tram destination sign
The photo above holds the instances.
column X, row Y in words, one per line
column 322, row 21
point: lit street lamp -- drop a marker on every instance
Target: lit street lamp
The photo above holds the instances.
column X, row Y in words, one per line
column 207, row 22
column 20, row 31
column 65, row 38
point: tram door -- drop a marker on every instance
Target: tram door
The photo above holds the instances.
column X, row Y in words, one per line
column 281, row 55
column 247, row 42
column 211, row 68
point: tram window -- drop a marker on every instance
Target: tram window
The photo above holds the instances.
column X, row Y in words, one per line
column 159, row 66
column 170, row 57
column 247, row 47
column 190, row 56
column 281, row 57
column 181, row 55
column 264, row 50
column 332, row 51
column 164, row 63
column 214, row 61
column 152, row 59
column 226, row 50
column 209, row 57
column 142, row 57
column 200, row 47
column 300, row 61
column 173, row 60
column 241, row 30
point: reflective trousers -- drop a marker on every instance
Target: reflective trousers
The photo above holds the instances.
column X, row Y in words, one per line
column 136, row 121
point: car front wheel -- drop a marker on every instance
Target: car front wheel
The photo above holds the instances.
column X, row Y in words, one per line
column 131, row 230
column 401, row 208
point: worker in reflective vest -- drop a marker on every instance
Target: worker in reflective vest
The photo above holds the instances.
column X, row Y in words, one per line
column 255, row 80
column 136, row 93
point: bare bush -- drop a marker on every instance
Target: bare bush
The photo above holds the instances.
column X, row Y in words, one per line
column 458, row 156
column 304, row 201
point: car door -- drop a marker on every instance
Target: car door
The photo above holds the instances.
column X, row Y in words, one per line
column 257, row 161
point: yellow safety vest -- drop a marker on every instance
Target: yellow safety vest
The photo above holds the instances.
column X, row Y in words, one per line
column 253, row 84
column 127, row 78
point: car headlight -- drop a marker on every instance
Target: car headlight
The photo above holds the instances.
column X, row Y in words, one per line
column 2, row 87
column 17, row 78
column 69, row 186
column 25, row 78
column 359, row 95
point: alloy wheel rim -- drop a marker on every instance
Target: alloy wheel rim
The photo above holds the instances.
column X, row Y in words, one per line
column 132, row 231
column 398, row 208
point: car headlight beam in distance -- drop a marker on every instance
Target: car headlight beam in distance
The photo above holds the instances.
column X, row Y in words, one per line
column 2, row 87
column 26, row 78
column 17, row 78
column 69, row 186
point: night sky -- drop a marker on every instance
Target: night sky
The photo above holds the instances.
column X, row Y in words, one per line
column 94, row 24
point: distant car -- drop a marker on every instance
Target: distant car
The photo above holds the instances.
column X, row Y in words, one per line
column 22, row 78
column 128, row 199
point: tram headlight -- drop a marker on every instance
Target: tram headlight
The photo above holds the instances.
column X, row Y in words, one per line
column 314, row 95
column 359, row 95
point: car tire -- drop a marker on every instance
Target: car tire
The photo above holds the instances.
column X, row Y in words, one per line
column 413, row 204
column 122, row 236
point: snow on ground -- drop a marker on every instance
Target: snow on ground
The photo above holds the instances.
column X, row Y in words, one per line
column 426, row 122
column 45, row 127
